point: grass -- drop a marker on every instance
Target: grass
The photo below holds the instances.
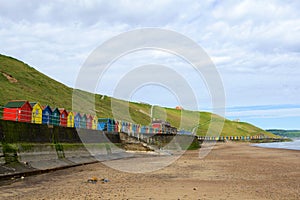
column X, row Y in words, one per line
column 34, row 86
column 286, row 133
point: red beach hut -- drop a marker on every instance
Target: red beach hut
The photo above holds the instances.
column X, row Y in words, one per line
column 17, row 110
column 63, row 117
column 89, row 121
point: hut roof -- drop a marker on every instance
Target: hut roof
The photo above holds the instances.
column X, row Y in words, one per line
column 32, row 103
column 15, row 104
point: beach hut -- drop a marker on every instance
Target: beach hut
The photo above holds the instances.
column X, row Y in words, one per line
column 46, row 115
column 37, row 113
column 102, row 124
column 70, row 121
column 138, row 128
column 89, row 121
column 95, row 122
column 124, row 127
column 119, row 125
column 77, row 120
column 55, row 117
column 151, row 129
column 143, row 129
column 18, row 110
column 116, row 126
column 147, row 129
column 83, row 121
column 63, row 117
column 133, row 128
column 129, row 127
column 111, row 125
column 106, row 124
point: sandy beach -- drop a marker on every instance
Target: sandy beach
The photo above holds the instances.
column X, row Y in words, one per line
column 230, row 171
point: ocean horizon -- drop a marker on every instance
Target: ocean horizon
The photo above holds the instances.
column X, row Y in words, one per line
column 293, row 145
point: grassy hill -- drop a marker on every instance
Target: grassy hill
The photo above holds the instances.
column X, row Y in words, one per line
column 20, row 81
column 285, row 133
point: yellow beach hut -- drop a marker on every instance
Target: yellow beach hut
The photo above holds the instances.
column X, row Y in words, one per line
column 70, row 121
column 119, row 125
column 37, row 113
column 94, row 122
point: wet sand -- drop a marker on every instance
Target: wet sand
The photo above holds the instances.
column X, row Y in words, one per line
column 230, row 171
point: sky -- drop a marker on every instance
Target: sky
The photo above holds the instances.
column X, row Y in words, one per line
column 254, row 45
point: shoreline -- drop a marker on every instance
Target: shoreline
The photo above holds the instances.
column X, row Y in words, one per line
column 229, row 171
column 291, row 145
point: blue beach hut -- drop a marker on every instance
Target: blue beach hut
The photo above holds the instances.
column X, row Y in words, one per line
column 46, row 115
column 77, row 120
column 83, row 121
column 106, row 124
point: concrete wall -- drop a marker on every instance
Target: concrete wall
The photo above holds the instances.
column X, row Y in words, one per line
column 16, row 132
column 28, row 147
column 163, row 141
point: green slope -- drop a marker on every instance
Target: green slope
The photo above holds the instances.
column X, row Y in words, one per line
column 20, row 81
column 285, row 133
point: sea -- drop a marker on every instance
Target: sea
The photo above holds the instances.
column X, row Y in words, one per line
column 294, row 145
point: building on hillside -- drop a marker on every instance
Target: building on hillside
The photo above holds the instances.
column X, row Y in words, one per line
column 63, row 117
column 18, row 110
column 77, row 119
column 37, row 113
column 164, row 127
column 46, row 115
column 70, row 121
column 178, row 108
column 55, row 118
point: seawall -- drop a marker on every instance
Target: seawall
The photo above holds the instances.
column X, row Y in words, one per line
column 28, row 148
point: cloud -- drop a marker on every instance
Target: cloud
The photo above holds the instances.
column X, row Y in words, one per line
column 255, row 44
column 271, row 111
